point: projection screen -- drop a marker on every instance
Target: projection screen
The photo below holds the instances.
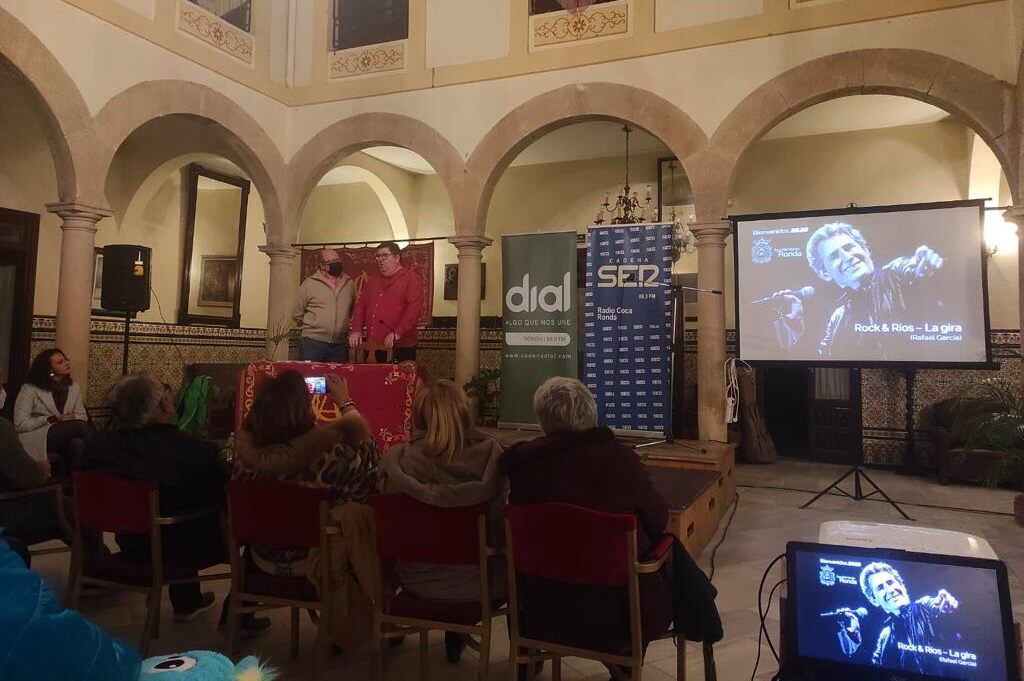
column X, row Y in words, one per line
column 867, row 286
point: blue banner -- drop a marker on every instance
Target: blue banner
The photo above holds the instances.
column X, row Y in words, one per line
column 628, row 326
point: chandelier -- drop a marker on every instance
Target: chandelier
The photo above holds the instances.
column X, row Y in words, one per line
column 628, row 209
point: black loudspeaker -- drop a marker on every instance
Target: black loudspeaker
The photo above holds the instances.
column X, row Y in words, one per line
column 125, row 278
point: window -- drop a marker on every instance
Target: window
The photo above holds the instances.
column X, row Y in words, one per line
column 238, row 13
column 545, row 6
column 358, row 23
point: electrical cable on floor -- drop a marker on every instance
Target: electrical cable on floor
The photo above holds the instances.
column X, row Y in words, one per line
column 936, row 507
column 763, row 631
column 761, row 613
column 725, row 532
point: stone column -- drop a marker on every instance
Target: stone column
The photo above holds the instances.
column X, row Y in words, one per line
column 1016, row 216
column 467, row 329
column 711, row 328
column 74, row 283
column 280, row 296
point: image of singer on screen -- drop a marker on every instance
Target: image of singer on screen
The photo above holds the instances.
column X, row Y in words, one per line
column 868, row 296
column 909, row 629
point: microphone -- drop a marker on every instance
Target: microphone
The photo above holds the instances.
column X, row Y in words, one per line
column 802, row 293
column 859, row 612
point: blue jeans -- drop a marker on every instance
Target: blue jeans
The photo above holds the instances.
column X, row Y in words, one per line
column 311, row 350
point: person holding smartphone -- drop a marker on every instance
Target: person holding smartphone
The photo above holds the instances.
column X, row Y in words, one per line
column 50, row 415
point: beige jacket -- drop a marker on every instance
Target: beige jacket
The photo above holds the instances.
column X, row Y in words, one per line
column 322, row 313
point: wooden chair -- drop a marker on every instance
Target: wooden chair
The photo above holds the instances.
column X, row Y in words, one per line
column 366, row 353
column 575, row 545
column 54, row 490
column 285, row 516
column 409, row 530
column 106, row 503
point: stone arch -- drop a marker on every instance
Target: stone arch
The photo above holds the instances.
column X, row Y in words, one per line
column 565, row 106
column 985, row 102
column 149, row 101
column 331, row 145
column 65, row 117
column 388, row 201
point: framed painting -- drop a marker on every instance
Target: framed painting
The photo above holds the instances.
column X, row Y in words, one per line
column 218, row 275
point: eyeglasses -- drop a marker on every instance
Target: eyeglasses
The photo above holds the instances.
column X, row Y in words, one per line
column 383, row 256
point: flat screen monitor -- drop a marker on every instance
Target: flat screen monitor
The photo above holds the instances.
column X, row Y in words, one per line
column 857, row 613
column 892, row 285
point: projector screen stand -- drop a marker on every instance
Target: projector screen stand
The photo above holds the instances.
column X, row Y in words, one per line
column 858, row 491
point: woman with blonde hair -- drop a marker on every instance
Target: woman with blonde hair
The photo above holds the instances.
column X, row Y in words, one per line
column 448, row 463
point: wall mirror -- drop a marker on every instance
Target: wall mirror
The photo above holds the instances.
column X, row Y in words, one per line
column 211, row 273
column 675, row 195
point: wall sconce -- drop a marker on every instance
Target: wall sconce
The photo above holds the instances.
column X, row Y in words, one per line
column 1000, row 235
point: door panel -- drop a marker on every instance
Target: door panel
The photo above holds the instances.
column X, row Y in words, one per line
column 19, row 232
column 835, row 405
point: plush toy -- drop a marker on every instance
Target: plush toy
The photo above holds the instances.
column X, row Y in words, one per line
column 204, row 665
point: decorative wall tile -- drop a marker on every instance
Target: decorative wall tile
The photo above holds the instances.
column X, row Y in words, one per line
column 597, row 21
column 360, row 61
column 214, row 31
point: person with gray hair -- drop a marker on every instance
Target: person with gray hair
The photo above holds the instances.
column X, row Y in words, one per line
column 869, row 296
column 322, row 310
column 578, row 462
column 142, row 442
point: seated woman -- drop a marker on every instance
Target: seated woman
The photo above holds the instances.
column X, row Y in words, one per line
column 577, row 462
column 448, row 463
column 50, row 414
column 279, row 440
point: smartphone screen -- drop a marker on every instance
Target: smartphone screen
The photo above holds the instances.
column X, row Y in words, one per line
column 317, row 385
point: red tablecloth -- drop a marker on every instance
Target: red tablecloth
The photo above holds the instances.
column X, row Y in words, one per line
column 383, row 394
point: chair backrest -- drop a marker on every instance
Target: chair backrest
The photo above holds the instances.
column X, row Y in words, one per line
column 571, row 544
column 107, row 503
column 409, row 530
column 367, row 353
column 275, row 514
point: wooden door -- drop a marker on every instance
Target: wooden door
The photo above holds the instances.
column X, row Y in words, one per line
column 835, row 424
column 19, row 233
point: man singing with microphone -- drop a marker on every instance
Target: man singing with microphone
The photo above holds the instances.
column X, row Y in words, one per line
column 909, row 629
column 870, row 297
column 389, row 305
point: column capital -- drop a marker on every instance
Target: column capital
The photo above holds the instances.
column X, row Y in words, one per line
column 470, row 243
column 279, row 253
column 78, row 216
column 711, row 233
column 1014, row 214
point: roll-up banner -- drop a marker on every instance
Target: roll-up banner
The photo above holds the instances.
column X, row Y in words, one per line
column 628, row 327
column 539, row 318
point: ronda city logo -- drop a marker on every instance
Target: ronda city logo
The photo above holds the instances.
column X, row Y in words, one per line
column 761, row 252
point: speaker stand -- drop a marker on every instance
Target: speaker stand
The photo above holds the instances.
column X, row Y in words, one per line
column 127, row 334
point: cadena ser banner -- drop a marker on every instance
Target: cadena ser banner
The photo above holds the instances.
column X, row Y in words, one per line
column 539, row 318
column 627, row 362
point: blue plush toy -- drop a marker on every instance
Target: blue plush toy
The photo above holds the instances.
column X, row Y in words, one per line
column 204, row 665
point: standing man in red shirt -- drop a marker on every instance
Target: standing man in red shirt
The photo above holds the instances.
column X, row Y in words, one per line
column 389, row 305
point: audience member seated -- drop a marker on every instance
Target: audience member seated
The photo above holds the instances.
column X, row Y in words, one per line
column 30, row 519
column 41, row 640
column 448, row 463
column 141, row 442
column 279, row 440
column 577, row 462
column 50, row 415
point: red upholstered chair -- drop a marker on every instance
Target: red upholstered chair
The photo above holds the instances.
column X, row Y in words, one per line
column 411, row 531
column 107, row 503
column 575, row 545
column 283, row 516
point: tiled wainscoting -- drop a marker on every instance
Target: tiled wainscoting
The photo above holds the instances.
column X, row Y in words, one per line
column 165, row 349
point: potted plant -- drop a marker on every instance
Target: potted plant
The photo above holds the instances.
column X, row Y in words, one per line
column 989, row 416
column 483, row 389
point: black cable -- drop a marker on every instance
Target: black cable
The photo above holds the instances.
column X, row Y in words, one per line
column 160, row 309
column 763, row 631
column 760, row 607
column 714, row 551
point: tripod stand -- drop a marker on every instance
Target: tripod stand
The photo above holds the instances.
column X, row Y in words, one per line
column 858, row 492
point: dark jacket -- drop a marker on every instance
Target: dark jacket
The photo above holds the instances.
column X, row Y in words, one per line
column 191, row 475
column 593, row 470
column 589, row 469
column 31, row 519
